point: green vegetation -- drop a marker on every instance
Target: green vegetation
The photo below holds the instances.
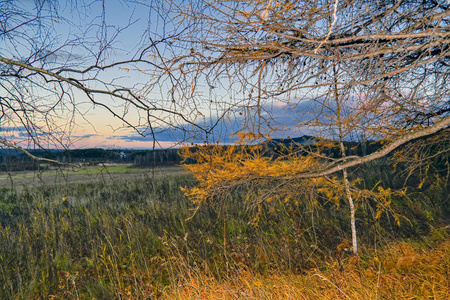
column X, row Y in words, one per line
column 100, row 169
column 84, row 170
column 132, row 240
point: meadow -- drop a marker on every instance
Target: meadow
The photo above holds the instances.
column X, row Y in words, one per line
column 137, row 237
column 60, row 175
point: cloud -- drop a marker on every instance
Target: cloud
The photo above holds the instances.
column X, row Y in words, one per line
column 35, row 134
column 285, row 117
column 85, row 136
column 12, row 128
column 279, row 120
column 221, row 131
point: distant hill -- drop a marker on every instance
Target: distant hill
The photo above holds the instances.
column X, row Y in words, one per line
column 303, row 140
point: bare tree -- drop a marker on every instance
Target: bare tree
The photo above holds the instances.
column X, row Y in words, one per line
column 341, row 69
column 61, row 59
column 393, row 55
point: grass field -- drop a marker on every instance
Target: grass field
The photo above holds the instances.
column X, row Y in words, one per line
column 65, row 175
column 130, row 235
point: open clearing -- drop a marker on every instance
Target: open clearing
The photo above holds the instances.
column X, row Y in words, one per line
column 65, row 175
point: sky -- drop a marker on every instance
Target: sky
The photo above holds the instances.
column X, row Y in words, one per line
column 92, row 126
column 71, row 33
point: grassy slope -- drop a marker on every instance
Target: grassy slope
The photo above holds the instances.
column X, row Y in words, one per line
column 130, row 239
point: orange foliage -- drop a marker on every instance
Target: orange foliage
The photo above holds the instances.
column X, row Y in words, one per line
column 221, row 169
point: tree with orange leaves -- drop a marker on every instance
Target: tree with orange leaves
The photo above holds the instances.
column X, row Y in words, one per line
column 343, row 71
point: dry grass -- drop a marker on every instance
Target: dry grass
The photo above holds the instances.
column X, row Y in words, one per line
column 400, row 271
column 130, row 240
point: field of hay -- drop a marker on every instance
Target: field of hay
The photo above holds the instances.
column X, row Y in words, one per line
column 132, row 234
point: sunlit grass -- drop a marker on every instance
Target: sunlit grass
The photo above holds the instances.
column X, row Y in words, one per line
column 82, row 170
column 398, row 271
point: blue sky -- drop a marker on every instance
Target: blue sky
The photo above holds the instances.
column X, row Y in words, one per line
column 93, row 126
column 126, row 26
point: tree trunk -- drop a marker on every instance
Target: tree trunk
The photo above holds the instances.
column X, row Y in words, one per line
column 348, row 194
column 352, row 213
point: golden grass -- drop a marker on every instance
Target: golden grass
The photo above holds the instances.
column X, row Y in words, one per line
column 400, row 271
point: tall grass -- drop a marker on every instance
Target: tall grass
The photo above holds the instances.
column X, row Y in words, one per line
column 90, row 240
column 130, row 240
column 399, row 271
